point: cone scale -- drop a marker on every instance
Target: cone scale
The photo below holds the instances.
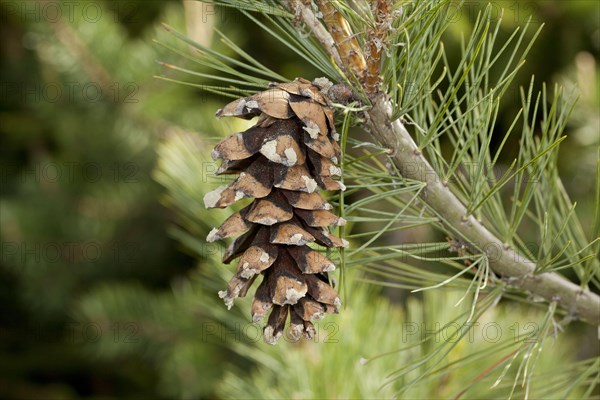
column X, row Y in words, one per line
column 282, row 163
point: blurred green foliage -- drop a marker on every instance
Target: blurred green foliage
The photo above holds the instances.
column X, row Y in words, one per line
column 97, row 298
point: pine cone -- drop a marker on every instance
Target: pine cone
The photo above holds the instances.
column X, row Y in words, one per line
column 282, row 161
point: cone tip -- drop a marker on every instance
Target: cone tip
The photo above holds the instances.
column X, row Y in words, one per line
column 270, row 336
column 211, row 199
column 213, row 235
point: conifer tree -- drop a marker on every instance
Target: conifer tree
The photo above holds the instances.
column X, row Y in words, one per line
column 420, row 150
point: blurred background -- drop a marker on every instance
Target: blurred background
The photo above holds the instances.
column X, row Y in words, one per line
column 94, row 272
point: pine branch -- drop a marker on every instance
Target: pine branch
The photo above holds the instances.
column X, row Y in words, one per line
column 515, row 269
column 375, row 43
column 309, row 18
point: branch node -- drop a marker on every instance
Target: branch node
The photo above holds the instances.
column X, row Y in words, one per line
column 556, row 298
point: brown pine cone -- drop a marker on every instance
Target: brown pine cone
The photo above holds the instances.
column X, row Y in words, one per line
column 282, row 162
